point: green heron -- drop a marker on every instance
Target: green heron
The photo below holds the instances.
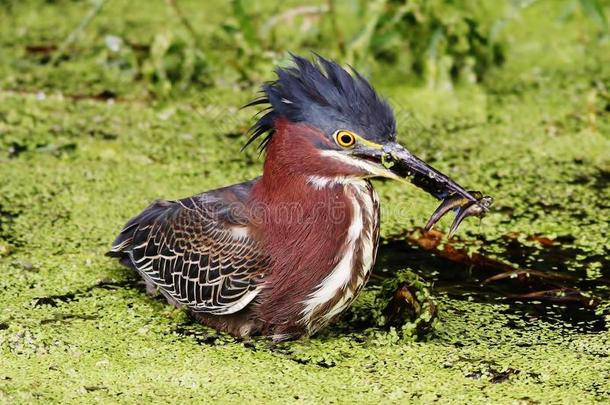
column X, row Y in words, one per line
column 284, row 254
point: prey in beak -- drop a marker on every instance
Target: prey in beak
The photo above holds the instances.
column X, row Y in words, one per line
column 464, row 208
column 399, row 163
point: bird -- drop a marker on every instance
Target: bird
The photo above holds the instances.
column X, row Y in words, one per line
column 284, row 254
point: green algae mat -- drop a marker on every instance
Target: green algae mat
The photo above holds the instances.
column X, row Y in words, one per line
column 516, row 308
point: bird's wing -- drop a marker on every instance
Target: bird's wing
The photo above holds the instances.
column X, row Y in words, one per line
column 198, row 250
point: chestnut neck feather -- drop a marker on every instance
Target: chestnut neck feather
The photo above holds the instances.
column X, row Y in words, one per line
column 303, row 227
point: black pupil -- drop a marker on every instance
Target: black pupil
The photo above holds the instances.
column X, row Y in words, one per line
column 346, row 139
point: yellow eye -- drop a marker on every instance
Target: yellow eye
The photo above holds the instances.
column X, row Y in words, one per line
column 345, row 139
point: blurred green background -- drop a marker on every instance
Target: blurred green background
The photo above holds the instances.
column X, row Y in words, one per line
column 107, row 105
column 172, row 47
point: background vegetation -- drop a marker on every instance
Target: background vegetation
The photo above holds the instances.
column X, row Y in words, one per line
column 107, row 105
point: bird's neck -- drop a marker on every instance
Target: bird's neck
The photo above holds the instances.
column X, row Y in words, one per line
column 294, row 166
column 288, row 199
column 287, row 156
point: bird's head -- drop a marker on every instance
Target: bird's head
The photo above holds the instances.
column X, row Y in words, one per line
column 330, row 125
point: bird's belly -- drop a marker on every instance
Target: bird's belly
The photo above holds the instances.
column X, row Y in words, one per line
column 355, row 261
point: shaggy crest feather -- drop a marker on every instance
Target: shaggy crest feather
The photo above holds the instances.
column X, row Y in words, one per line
column 326, row 96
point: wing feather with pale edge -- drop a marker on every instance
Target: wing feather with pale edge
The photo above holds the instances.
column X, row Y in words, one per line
column 197, row 250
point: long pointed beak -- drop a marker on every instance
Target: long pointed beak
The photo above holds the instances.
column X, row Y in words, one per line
column 405, row 165
column 402, row 164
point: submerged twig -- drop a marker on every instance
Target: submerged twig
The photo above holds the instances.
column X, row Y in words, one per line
column 432, row 239
column 521, row 274
column 563, row 295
